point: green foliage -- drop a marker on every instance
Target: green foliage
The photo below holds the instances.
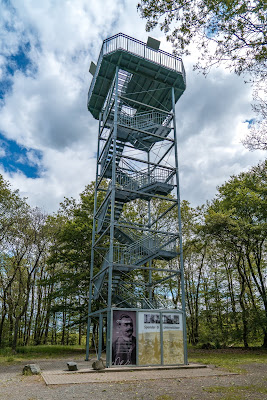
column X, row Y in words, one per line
column 230, row 33
column 45, row 266
column 49, row 350
column 236, row 29
column 236, row 220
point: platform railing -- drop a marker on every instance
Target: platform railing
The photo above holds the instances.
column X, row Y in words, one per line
column 139, row 48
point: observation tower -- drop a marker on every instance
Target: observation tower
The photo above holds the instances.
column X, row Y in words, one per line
column 136, row 275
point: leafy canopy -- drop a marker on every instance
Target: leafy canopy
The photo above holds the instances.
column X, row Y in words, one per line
column 232, row 31
column 229, row 32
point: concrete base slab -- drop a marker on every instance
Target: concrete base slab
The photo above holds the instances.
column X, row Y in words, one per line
column 129, row 374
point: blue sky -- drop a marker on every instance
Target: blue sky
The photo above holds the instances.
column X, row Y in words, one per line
column 14, row 156
column 47, row 136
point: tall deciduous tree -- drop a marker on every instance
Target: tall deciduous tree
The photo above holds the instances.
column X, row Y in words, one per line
column 70, row 259
column 238, row 221
column 236, row 28
column 229, row 32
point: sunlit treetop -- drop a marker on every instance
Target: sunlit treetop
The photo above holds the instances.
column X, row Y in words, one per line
column 225, row 31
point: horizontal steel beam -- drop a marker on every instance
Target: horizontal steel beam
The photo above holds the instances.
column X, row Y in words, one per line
column 146, row 105
column 175, row 235
column 144, row 268
column 104, row 310
column 148, row 162
column 164, row 279
column 148, row 133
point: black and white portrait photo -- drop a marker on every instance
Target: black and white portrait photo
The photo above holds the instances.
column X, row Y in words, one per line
column 124, row 338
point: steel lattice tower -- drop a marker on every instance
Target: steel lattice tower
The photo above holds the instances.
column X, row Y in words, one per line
column 137, row 236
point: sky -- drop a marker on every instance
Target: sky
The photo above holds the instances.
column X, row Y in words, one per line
column 48, row 139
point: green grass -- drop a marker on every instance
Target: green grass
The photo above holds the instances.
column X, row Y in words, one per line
column 231, row 359
column 41, row 351
column 236, row 392
column 233, row 389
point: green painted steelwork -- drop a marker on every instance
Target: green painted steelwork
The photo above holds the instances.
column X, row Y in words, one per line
column 133, row 94
column 153, row 73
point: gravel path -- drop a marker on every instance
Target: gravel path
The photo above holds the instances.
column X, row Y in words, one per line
column 156, row 385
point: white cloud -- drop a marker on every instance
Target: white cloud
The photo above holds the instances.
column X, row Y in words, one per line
column 46, row 108
column 2, row 152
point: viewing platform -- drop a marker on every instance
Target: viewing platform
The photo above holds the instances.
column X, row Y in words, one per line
column 148, row 70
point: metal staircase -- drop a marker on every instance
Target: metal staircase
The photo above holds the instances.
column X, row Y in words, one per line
column 141, row 130
column 132, row 253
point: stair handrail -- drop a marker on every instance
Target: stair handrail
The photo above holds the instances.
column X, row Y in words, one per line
column 143, row 177
column 138, row 250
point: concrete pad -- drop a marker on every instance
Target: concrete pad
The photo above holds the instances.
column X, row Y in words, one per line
column 127, row 374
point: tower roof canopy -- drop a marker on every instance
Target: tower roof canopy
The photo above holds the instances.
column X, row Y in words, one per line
column 153, row 72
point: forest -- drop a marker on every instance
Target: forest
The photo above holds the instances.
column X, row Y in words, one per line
column 45, row 264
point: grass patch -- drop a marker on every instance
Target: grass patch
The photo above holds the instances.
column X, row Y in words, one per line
column 236, row 392
column 231, row 359
column 7, row 355
column 51, row 350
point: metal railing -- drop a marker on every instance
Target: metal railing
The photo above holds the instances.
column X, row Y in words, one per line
column 137, row 180
column 139, row 48
column 123, row 80
column 143, row 248
column 144, row 120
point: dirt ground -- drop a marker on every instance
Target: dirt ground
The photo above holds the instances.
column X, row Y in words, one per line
column 252, row 384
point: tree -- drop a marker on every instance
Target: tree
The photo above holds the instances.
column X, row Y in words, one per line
column 70, row 259
column 257, row 137
column 237, row 220
column 13, row 212
column 237, row 30
column 229, row 32
column 23, row 244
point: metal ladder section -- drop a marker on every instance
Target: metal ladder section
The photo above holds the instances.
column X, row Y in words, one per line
column 140, row 141
column 107, row 154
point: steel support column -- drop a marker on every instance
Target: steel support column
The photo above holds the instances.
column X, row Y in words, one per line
column 112, row 223
column 180, row 230
column 92, row 250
